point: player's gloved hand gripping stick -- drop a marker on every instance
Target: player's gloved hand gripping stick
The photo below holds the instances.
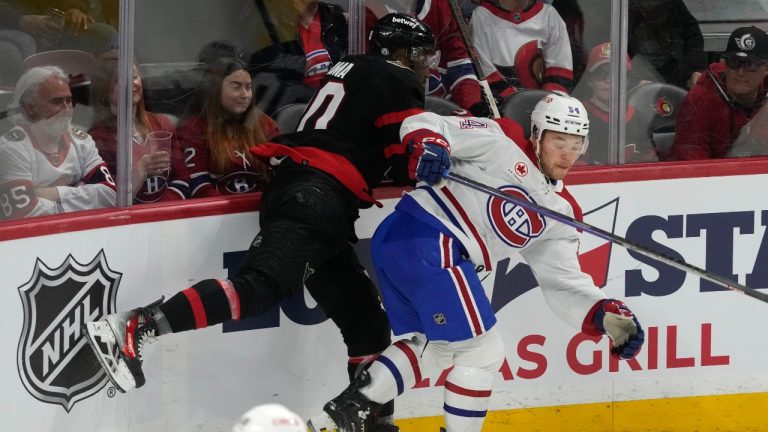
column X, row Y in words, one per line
column 642, row 250
column 613, row 318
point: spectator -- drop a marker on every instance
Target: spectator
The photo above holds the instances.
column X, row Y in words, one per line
column 222, row 124
column 725, row 100
column 58, row 24
column 665, row 42
column 151, row 168
column 46, row 165
column 526, row 41
column 432, row 253
column 639, row 147
column 296, row 67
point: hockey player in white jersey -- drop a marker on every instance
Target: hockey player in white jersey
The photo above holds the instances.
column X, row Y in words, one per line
column 433, row 251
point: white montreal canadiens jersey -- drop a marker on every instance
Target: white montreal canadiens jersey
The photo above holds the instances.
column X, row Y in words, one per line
column 492, row 229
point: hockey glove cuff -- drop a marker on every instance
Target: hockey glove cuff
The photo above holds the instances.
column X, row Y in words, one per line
column 430, row 156
column 613, row 318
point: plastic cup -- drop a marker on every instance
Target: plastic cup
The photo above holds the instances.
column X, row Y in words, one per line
column 159, row 141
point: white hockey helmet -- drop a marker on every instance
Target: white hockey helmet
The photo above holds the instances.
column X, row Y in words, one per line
column 270, row 418
column 560, row 113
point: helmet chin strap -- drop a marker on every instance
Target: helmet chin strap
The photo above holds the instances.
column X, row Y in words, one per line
column 537, row 149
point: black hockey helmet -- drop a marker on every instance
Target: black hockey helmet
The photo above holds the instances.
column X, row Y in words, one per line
column 398, row 30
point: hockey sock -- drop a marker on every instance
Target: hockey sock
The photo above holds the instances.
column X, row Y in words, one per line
column 354, row 366
column 206, row 303
column 467, row 395
column 398, row 368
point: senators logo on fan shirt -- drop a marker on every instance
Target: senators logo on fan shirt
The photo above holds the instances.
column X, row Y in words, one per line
column 55, row 363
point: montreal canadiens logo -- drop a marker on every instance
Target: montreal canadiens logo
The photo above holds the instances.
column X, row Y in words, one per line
column 54, row 361
column 514, row 225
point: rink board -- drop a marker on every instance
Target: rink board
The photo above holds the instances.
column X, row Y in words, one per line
column 704, row 367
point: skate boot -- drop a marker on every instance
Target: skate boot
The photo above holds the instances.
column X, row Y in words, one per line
column 386, row 427
column 348, row 412
column 117, row 341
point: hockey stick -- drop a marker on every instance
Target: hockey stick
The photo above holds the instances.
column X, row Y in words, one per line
column 605, row 235
column 473, row 57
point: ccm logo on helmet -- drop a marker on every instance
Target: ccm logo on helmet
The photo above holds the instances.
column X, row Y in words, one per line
column 409, row 23
column 514, row 225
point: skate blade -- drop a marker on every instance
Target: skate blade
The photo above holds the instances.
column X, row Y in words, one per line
column 102, row 331
column 322, row 423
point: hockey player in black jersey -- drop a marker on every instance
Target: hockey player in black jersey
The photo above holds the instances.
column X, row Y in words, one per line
column 324, row 173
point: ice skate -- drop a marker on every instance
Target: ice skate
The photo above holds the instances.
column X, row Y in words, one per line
column 117, row 341
column 348, row 412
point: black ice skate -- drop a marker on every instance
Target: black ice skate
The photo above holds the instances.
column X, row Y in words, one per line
column 117, row 341
column 348, row 412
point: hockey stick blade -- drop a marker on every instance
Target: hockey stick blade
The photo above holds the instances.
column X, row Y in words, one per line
column 627, row 244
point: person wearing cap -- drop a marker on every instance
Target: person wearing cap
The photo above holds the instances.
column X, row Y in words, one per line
column 597, row 102
column 722, row 105
column 46, row 165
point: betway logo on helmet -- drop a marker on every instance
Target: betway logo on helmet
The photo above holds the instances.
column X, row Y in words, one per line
column 399, row 20
column 54, row 361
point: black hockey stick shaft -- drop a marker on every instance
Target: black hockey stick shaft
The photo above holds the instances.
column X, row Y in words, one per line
column 678, row 264
column 474, row 57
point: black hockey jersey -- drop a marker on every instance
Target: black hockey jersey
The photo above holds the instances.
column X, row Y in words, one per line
column 352, row 124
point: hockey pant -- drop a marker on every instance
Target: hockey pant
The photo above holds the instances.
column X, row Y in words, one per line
column 468, row 385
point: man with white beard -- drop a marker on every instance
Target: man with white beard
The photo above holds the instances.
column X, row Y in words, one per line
column 47, row 166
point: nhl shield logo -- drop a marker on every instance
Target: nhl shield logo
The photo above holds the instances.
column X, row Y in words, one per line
column 54, row 360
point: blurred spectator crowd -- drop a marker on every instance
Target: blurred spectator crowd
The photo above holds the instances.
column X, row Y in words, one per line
column 193, row 126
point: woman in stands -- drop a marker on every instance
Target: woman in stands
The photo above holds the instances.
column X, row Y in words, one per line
column 151, row 167
column 222, row 123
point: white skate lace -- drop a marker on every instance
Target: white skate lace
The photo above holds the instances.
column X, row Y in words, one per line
column 146, row 336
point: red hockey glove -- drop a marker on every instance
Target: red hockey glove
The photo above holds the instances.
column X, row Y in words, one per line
column 614, row 319
column 430, row 156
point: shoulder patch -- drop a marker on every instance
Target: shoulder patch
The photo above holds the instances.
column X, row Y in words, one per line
column 15, row 135
column 79, row 133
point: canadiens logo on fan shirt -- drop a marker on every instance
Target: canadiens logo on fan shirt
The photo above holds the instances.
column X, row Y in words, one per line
column 514, row 225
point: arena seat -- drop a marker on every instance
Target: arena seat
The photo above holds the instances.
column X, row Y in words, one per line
column 657, row 106
column 288, row 116
column 440, row 105
column 519, row 107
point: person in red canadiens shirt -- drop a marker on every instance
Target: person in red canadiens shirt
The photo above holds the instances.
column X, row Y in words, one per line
column 721, row 115
column 222, row 124
column 151, row 168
